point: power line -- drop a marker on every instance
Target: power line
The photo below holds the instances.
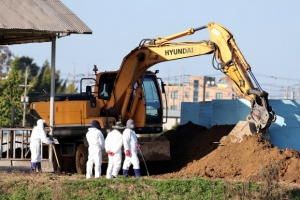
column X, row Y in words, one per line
column 277, row 77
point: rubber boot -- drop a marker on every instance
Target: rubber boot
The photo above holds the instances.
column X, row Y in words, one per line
column 125, row 173
column 39, row 167
column 137, row 173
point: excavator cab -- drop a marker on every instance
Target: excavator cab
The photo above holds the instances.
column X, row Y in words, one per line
column 153, row 101
column 106, row 85
column 149, row 113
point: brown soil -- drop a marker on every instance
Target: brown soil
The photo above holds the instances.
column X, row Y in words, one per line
column 190, row 141
column 195, row 153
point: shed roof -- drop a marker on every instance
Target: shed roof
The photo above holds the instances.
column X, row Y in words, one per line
column 27, row 21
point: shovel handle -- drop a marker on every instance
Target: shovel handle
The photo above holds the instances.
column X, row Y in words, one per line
column 55, row 155
column 144, row 162
column 27, row 153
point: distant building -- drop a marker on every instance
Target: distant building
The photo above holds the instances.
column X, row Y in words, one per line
column 171, row 118
column 196, row 89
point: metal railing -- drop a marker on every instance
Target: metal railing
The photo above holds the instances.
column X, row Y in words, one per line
column 13, row 138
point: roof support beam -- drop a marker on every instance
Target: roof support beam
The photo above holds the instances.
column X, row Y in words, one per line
column 52, row 91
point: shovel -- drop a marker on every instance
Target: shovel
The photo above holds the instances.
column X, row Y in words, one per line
column 144, row 161
column 58, row 165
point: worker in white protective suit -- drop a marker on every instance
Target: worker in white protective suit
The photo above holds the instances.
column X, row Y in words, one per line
column 37, row 137
column 96, row 144
column 113, row 147
column 131, row 146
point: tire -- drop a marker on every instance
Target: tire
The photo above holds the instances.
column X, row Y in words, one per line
column 81, row 159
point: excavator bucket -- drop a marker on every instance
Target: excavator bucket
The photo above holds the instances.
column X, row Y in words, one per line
column 155, row 150
column 243, row 128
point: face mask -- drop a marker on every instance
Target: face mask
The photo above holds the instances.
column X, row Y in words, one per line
column 132, row 126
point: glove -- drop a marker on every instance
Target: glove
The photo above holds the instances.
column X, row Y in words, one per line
column 138, row 147
column 110, row 153
column 127, row 153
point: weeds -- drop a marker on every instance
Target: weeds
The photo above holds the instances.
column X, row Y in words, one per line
column 50, row 186
column 269, row 174
column 269, row 188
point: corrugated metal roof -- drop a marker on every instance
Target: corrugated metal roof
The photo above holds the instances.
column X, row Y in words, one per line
column 37, row 20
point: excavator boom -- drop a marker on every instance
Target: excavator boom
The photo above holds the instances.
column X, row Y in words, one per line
column 227, row 58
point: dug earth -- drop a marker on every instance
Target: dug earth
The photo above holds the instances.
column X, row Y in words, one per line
column 195, row 151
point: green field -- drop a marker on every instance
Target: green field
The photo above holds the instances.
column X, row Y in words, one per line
column 17, row 185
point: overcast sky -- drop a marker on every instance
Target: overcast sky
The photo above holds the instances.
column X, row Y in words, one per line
column 267, row 33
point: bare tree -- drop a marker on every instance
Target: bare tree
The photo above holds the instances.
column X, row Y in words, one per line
column 5, row 57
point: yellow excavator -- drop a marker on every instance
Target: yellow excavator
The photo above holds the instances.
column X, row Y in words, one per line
column 134, row 92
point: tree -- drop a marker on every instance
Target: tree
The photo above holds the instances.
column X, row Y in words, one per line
column 5, row 57
column 42, row 81
column 60, row 84
column 71, row 89
column 11, row 92
column 23, row 62
column 10, row 95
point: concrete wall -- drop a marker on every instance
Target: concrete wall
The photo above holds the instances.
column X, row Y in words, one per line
column 285, row 132
column 173, row 118
column 170, row 122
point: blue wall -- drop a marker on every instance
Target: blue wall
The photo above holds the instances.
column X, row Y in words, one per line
column 285, row 132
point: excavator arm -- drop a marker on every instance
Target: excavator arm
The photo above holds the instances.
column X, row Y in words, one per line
column 226, row 57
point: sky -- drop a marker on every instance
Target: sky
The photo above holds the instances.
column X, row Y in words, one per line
column 267, row 33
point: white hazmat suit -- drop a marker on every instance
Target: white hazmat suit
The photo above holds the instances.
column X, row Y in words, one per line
column 113, row 143
column 38, row 136
column 96, row 144
column 130, row 143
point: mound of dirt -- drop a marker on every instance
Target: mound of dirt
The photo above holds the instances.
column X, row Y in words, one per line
column 191, row 141
column 252, row 159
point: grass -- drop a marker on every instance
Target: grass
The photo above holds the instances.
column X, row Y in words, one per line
column 18, row 185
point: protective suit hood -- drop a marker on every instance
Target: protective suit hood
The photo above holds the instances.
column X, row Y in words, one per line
column 96, row 124
column 40, row 123
column 129, row 122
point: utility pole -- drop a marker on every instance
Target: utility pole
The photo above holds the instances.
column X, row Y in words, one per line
column 286, row 93
column 74, row 75
column 168, row 84
column 24, row 100
column 179, row 87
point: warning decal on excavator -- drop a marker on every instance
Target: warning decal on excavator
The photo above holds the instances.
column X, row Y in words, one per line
column 215, row 31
